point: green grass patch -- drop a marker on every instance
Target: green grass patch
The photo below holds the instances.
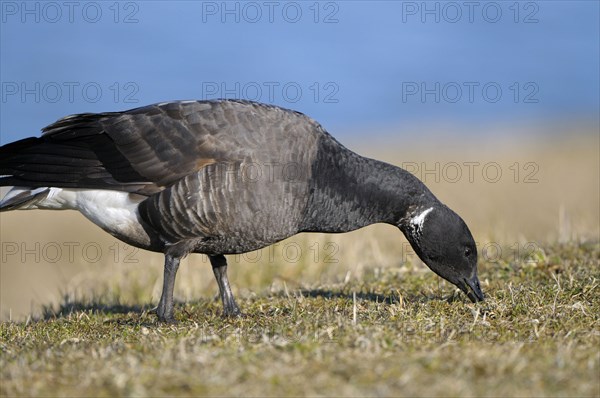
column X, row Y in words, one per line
column 406, row 333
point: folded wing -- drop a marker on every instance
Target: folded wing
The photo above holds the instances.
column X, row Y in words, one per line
column 142, row 150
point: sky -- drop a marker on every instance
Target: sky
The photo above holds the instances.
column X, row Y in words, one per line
column 352, row 65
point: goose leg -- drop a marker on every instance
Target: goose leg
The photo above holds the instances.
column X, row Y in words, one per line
column 219, row 266
column 165, row 305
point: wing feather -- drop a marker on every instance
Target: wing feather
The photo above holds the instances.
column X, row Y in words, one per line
column 146, row 149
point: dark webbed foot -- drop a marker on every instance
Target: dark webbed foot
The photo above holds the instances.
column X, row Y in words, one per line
column 231, row 310
column 164, row 316
column 166, row 320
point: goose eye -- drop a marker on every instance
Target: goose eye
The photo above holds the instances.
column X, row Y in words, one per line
column 467, row 252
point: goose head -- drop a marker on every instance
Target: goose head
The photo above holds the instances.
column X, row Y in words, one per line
column 444, row 243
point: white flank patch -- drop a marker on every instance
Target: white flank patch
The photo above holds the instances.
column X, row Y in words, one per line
column 420, row 219
column 114, row 211
column 107, row 209
column 53, row 192
column 57, row 199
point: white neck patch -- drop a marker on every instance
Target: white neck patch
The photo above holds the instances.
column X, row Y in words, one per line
column 418, row 220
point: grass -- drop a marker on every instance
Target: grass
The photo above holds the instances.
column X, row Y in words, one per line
column 538, row 333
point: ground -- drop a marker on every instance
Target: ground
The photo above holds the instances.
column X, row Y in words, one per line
column 397, row 332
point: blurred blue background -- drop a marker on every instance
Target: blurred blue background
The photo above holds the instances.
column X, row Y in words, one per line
column 353, row 65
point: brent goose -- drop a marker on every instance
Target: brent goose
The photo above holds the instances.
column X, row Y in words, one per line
column 222, row 177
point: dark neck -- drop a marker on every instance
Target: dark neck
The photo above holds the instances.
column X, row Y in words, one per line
column 349, row 191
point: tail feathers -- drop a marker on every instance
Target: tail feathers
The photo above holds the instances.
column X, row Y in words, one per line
column 20, row 198
column 85, row 162
column 37, row 162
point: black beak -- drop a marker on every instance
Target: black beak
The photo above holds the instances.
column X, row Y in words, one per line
column 472, row 289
